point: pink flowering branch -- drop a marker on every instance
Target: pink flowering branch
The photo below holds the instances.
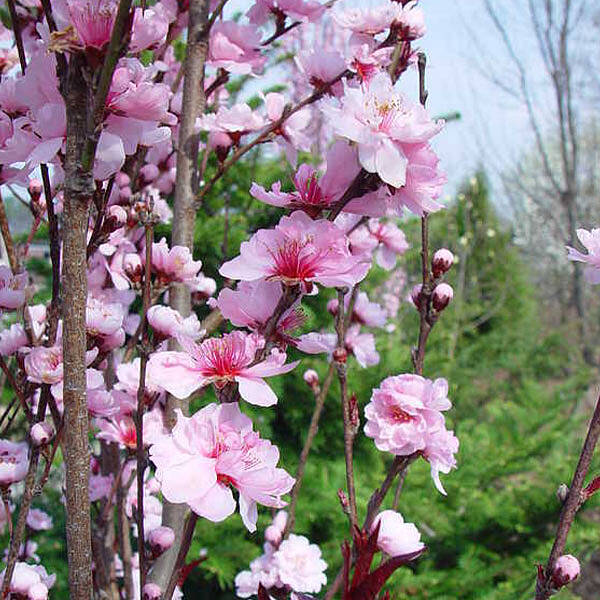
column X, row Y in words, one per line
column 575, row 498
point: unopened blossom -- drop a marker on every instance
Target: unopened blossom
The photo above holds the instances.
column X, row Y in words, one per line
column 296, row 10
column 442, row 296
column 566, row 569
column 235, row 48
column 403, row 410
column 12, row 288
column 14, row 461
column 168, row 322
column 313, row 194
column 38, row 520
column 395, row 537
column 591, row 241
column 151, row 591
column 298, row 251
column 161, row 539
column 220, row 361
column 441, row 262
column 299, row 564
column 311, row 378
column 41, row 433
column 381, row 121
column 214, row 449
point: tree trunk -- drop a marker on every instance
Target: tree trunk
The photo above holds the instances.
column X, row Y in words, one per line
column 184, row 216
column 77, row 196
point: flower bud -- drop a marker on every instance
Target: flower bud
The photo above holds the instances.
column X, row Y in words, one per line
column 273, row 535
column 340, row 355
column 149, row 173
column 415, row 295
column 442, row 261
column 332, row 306
column 442, row 295
column 161, row 539
column 122, row 179
column 311, row 377
column 562, row 492
column 343, row 498
column 132, row 265
column 118, row 216
column 151, row 592
column 41, row 434
column 35, row 188
column 566, row 569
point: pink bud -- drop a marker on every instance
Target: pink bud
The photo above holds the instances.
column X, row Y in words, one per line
column 151, row 592
column 332, row 306
column 132, row 265
column 311, row 377
column 415, row 295
column 118, row 214
column 566, row 569
column 343, row 498
column 161, row 539
column 273, row 535
column 41, row 433
column 340, row 355
column 354, row 412
column 149, row 172
column 442, row 295
column 442, row 261
column 35, row 188
column 122, row 179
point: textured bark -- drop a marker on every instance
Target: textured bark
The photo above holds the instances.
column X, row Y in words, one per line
column 77, row 195
column 193, row 103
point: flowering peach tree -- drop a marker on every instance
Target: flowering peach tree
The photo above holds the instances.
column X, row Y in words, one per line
column 119, row 119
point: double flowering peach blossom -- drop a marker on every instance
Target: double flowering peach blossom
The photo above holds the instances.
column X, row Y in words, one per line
column 14, row 461
column 209, row 453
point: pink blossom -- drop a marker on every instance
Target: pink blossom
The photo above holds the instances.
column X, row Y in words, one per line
column 320, row 66
column 311, row 378
column 93, row 21
column 174, row 265
column 235, row 48
column 103, row 319
column 441, row 262
column 28, row 581
column 41, row 433
column 391, row 242
column 161, row 539
column 369, row 19
column 12, row 288
column 298, row 250
column 169, row 323
column 292, row 136
column 403, row 410
column 440, row 447
column 262, row 571
column 220, row 361
column 297, row 10
column 12, row 339
column 362, row 346
column 396, row 538
column 313, row 195
column 591, row 241
column 364, row 311
column 367, row 57
column 150, row 26
column 210, row 451
column 100, row 486
column 380, row 120
column 120, row 431
column 14, row 461
column 229, row 124
column 300, row 565
column 38, row 520
column 128, row 375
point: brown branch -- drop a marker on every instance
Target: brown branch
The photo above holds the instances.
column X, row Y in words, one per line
column 139, row 421
column 7, row 237
column 572, row 504
column 17, row 31
column 188, row 533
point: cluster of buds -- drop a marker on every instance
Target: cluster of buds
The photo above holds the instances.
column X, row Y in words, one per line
column 442, row 293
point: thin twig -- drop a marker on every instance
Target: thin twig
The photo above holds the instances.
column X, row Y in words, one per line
column 17, row 31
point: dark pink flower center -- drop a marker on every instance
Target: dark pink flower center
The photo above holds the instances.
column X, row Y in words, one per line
column 222, row 358
column 292, row 263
